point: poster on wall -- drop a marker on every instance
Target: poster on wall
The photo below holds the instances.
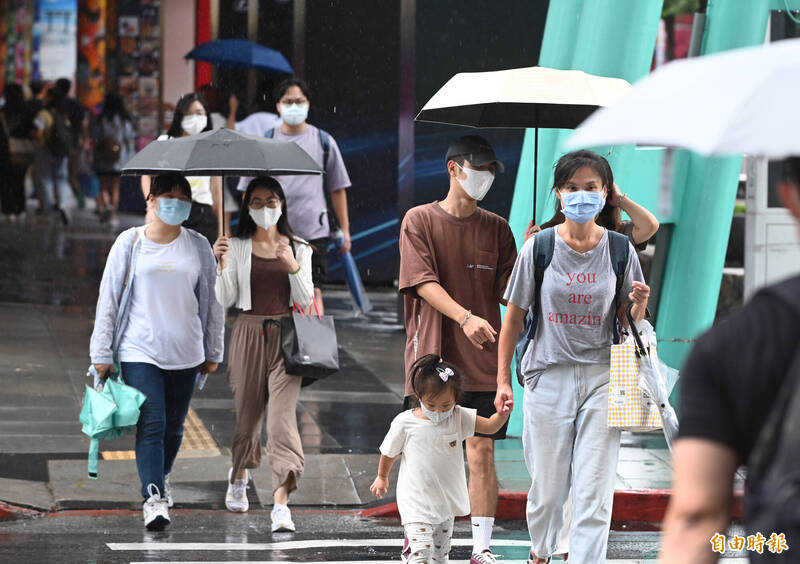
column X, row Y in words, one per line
column 138, row 66
column 56, row 39
column 92, row 46
column 18, row 57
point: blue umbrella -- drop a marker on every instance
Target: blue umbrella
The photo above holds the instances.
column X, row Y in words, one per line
column 240, row 53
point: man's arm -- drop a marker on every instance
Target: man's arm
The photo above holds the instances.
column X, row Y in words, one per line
column 339, row 202
column 513, row 324
column 477, row 329
column 702, row 495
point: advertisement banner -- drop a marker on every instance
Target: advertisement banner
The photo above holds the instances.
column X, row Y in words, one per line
column 55, row 39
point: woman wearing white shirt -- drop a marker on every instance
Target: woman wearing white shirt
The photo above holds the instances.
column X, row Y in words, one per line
column 190, row 118
column 158, row 317
column 263, row 271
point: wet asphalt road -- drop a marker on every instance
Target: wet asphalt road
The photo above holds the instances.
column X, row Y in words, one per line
column 220, row 536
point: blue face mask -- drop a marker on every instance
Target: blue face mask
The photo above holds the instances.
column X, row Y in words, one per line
column 582, row 206
column 173, row 211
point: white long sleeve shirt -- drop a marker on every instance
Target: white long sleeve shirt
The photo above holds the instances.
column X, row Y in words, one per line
column 233, row 283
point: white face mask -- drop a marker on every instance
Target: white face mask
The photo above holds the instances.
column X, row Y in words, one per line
column 194, row 124
column 436, row 417
column 294, row 114
column 477, row 182
column 266, row 217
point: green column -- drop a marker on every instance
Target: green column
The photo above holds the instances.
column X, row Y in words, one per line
column 704, row 191
column 609, row 38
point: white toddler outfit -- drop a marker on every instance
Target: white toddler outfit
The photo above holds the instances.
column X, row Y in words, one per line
column 432, row 485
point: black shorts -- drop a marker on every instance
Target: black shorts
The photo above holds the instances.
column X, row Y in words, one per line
column 482, row 402
column 319, row 260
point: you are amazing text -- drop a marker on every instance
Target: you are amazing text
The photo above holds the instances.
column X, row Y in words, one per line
column 579, row 278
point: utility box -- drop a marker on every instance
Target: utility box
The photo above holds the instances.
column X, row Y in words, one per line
column 772, row 244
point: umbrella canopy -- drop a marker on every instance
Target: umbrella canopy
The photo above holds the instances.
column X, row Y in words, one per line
column 222, row 152
column 108, row 414
column 240, row 53
column 740, row 101
column 530, row 97
column 527, row 97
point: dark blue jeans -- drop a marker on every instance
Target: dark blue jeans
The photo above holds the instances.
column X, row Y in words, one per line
column 160, row 429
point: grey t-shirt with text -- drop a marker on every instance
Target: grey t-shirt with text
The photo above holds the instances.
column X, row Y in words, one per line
column 576, row 321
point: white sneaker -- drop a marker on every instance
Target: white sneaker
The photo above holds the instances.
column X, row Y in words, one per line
column 236, row 496
column 167, row 491
column 154, row 510
column 282, row 519
column 484, row 557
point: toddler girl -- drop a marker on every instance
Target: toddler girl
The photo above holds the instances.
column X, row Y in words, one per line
column 432, row 485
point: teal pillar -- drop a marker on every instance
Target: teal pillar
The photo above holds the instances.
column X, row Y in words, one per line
column 704, row 191
column 614, row 38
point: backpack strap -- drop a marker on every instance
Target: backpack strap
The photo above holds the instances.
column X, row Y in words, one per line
column 325, row 141
column 618, row 249
column 544, row 243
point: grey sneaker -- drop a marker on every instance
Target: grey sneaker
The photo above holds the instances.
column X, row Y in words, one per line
column 154, row 510
column 236, row 496
column 485, row 557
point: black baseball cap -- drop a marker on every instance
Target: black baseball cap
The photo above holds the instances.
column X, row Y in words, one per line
column 475, row 149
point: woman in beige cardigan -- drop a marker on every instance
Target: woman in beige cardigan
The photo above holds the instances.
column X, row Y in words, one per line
column 264, row 270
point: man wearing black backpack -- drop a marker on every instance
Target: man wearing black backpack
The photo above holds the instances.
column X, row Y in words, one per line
column 50, row 175
column 740, row 405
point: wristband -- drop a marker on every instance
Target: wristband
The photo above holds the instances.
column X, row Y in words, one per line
column 296, row 271
column 466, row 318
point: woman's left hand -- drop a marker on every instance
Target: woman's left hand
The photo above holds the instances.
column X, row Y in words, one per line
column 207, row 367
column 640, row 293
column 284, row 252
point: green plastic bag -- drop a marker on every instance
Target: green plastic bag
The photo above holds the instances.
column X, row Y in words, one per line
column 109, row 413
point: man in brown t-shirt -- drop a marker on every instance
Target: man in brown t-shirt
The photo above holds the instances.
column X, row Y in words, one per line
column 455, row 262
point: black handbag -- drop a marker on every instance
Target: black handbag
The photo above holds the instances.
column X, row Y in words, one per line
column 309, row 344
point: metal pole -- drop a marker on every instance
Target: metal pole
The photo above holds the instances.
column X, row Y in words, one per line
column 535, row 167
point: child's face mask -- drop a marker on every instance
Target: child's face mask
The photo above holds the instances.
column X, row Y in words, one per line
column 436, row 417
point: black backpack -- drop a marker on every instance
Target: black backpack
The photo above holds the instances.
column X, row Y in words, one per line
column 59, row 140
column 325, row 141
column 772, row 503
column 543, row 244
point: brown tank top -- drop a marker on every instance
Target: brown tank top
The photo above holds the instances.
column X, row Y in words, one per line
column 269, row 286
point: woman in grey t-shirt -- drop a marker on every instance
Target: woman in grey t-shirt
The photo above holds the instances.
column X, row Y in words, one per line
column 566, row 439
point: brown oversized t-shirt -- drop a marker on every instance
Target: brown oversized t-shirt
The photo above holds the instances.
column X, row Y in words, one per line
column 472, row 259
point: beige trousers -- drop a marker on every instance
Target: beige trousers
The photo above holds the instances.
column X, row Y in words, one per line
column 260, row 384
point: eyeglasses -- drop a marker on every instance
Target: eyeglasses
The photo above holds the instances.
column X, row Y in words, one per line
column 257, row 203
column 289, row 101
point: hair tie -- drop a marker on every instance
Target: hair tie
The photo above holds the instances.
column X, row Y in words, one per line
column 445, row 373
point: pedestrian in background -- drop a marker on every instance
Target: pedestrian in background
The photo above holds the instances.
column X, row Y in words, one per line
column 78, row 121
column 19, row 126
column 736, row 376
column 191, row 117
column 455, row 261
column 264, row 271
column 566, row 438
column 158, row 317
column 50, row 174
column 114, row 145
column 432, row 485
column 305, row 194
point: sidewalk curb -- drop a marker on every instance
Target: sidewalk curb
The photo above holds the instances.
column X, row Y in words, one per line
column 641, row 510
column 10, row 512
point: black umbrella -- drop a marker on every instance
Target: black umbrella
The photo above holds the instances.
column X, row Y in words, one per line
column 531, row 97
column 222, row 152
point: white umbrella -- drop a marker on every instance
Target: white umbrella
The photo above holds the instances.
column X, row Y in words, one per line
column 527, row 97
column 740, row 101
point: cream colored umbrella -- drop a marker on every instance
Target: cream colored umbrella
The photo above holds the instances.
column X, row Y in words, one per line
column 531, row 97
